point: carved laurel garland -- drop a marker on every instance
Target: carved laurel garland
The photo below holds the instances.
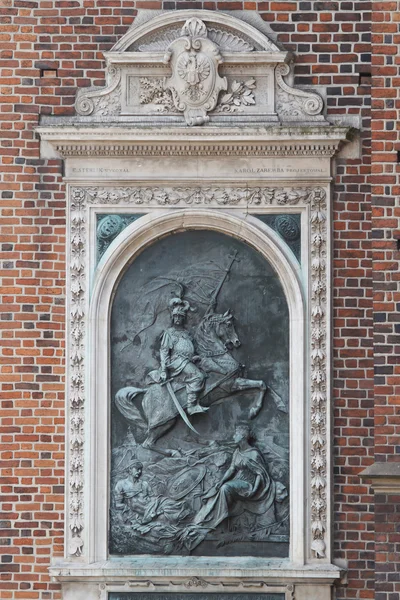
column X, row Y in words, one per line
column 172, row 196
column 316, row 198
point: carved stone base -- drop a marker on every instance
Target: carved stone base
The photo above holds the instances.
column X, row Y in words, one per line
column 97, row 581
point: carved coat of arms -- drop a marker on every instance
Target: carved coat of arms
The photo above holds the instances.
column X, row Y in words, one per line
column 195, row 83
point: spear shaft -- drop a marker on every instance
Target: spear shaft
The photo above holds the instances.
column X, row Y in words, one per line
column 221, row 283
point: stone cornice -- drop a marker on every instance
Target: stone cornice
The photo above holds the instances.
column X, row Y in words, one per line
column 79, row 140
column 384, row 477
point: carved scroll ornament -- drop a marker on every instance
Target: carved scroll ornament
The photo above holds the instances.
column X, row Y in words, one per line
column 293, row 103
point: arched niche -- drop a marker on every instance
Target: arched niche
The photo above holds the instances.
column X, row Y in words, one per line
column 137, row 240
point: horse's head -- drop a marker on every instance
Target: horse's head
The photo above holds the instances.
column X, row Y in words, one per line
column 225, row 330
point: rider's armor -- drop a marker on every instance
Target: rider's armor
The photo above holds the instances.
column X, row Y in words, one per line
column 176, row 354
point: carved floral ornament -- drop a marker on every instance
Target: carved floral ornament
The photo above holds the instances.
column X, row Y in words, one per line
column 315, row 198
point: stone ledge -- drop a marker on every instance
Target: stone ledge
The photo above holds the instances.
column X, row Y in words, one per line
column 384, row 477
column 147, row 571
column 78, row 139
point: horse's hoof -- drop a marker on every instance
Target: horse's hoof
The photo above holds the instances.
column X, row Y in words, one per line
column 253, row 413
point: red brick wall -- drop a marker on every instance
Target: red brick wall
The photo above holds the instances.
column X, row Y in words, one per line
column 386, row 275
column 48, row 49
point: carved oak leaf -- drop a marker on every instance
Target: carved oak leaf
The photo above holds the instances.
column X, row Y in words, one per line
column 317, row 311
column 318, row 461
column 317, row 526
column 317, row 264
column 317, row 440
column 318, row 482
column 318, row 354
column 77, row 399
column 318, row 504
column 317, row 418
column 318, row 397
column 318, row 217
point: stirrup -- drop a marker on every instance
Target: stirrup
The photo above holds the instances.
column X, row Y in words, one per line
column 196, row 408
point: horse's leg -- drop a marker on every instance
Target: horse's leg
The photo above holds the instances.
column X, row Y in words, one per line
column 155, row 433
column 241, row 384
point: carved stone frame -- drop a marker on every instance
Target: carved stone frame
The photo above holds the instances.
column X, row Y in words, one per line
column 90, row 295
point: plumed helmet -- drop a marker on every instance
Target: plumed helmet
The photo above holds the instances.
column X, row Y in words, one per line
column 178, row 306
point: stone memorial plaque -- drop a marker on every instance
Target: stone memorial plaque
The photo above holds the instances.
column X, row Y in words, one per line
column 191, row 596
column 200, row 396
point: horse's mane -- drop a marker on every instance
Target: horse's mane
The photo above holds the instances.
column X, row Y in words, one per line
column 204, row 333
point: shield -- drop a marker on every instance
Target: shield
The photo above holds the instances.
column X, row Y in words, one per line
column 185, row 481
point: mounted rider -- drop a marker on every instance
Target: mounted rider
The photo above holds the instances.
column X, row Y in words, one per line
column 178, row 357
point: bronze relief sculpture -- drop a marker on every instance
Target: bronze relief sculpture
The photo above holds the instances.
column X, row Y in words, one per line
column 190, row 475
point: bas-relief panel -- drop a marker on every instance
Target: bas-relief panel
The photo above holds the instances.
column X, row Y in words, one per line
column 200, row 384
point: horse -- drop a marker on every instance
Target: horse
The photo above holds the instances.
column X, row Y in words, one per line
column 214, row 339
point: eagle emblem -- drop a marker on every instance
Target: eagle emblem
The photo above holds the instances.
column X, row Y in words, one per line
column 193, row 68
column 195, row 82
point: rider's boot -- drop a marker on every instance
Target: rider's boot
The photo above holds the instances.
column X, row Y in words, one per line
column 194, row 406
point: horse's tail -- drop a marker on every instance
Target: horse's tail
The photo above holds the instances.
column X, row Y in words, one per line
column 124, row 399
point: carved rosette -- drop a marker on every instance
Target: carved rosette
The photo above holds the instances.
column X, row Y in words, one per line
column 81, row 197
column 195, row 83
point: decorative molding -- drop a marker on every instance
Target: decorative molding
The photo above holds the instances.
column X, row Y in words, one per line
column 77, row 368
column 190, row 54
column 225, row 39
column 195, row 582
column 319, row 374
column 238, row 95
column 163, row 25
column 195, row 196
column 103, row 102
column 228, row 42
column 292, row 103
column 152, row 92
column 315, row 197
column 305, row 148
column 199, row 584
